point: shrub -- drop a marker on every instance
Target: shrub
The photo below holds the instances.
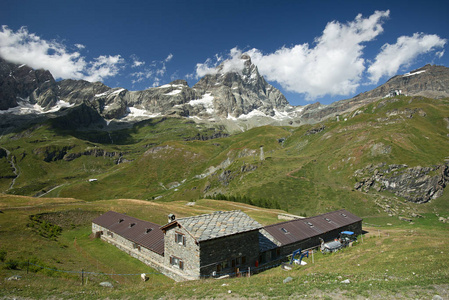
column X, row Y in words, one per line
column 2, row 255
column 11, row 264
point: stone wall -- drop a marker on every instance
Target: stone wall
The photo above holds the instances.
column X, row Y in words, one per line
column 188, row 252
column 228, row 249
column 150, row 258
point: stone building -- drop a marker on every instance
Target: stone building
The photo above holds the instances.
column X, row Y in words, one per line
column 281, row 239
column 213, row 244
column 219, row 243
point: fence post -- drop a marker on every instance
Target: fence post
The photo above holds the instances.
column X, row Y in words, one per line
column 82, row 276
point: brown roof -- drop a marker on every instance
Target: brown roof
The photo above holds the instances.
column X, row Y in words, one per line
column 143, row 233
column 301, row 229
column 216, row 225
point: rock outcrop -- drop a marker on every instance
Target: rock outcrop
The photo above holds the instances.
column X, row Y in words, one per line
column 415, row 184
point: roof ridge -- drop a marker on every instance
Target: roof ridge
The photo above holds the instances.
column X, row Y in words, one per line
column 307, row 218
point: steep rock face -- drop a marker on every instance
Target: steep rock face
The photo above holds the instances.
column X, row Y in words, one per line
column 240, row 92
column 416, row 184
column 77, row 91
column 21, row 82
column 164, row 98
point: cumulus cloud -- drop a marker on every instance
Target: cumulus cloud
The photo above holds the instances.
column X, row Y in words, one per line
column 232, row 64
column 333, row 65
column 28, row 48
column 407, row 48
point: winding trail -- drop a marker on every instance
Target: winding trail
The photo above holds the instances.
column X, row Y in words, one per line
column 16, row 169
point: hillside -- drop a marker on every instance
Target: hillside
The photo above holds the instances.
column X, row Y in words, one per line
column 352, row 161
column 394, row 259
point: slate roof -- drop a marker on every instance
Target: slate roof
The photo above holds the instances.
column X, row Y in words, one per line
column 143, row 233
column 300, row 229
column 217, row 224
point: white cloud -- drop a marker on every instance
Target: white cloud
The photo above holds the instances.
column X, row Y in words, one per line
column 333, row 66
column 169, row 57
column 27, row 48
column 104, row 66
column 402, row 53
column 154, row 72
column 136, row 61
column 233, row 64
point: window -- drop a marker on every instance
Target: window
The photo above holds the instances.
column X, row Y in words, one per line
column 310, row 224
column 148, row 230
column 328, row 220
column 284, row 230
column 136, row 246
column 120, row 220
column 131, row 224
column 177, row 262
column 180, row 239
column 344, row 215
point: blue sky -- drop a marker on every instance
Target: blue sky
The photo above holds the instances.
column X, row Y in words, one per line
column 311, row 50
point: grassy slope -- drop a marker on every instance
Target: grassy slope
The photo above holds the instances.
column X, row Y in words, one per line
column 306, row 174
column 400, row 260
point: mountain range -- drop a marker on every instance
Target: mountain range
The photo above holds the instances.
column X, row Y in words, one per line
column 237, row 99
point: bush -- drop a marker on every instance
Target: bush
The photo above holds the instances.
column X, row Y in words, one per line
column 11, row 264
column 2, row 255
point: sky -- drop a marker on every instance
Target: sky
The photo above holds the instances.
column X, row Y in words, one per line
column 311, row 50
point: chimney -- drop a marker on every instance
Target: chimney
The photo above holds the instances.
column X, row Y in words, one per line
column 171, row 218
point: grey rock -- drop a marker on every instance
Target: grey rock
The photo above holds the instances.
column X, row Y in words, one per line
column 288, row 279
column 106, row 284
column 346, row 281
column 414, row 184
column 14, row 277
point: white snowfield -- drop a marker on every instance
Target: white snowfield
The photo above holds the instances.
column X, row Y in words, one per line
column 25, row 107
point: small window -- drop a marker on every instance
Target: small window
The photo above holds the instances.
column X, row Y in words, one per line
column 180, row 239
column 284, row 230
column 148, row 230
column 175, row 261
column 120, row 220
column 344, row 215
column 310, row 224
column 328, row 220
column 131, row 224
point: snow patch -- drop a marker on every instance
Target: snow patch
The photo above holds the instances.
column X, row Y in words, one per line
column 170, row 85
column 174, row 92
column 25, row 107
column 414, row 73
column 207, row 101
column 109, row 93
column 137, row 113
column 117, row 91
column 252, row 114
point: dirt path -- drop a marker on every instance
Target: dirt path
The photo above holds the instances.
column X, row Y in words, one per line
column 16, row 169
column 289, row 174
